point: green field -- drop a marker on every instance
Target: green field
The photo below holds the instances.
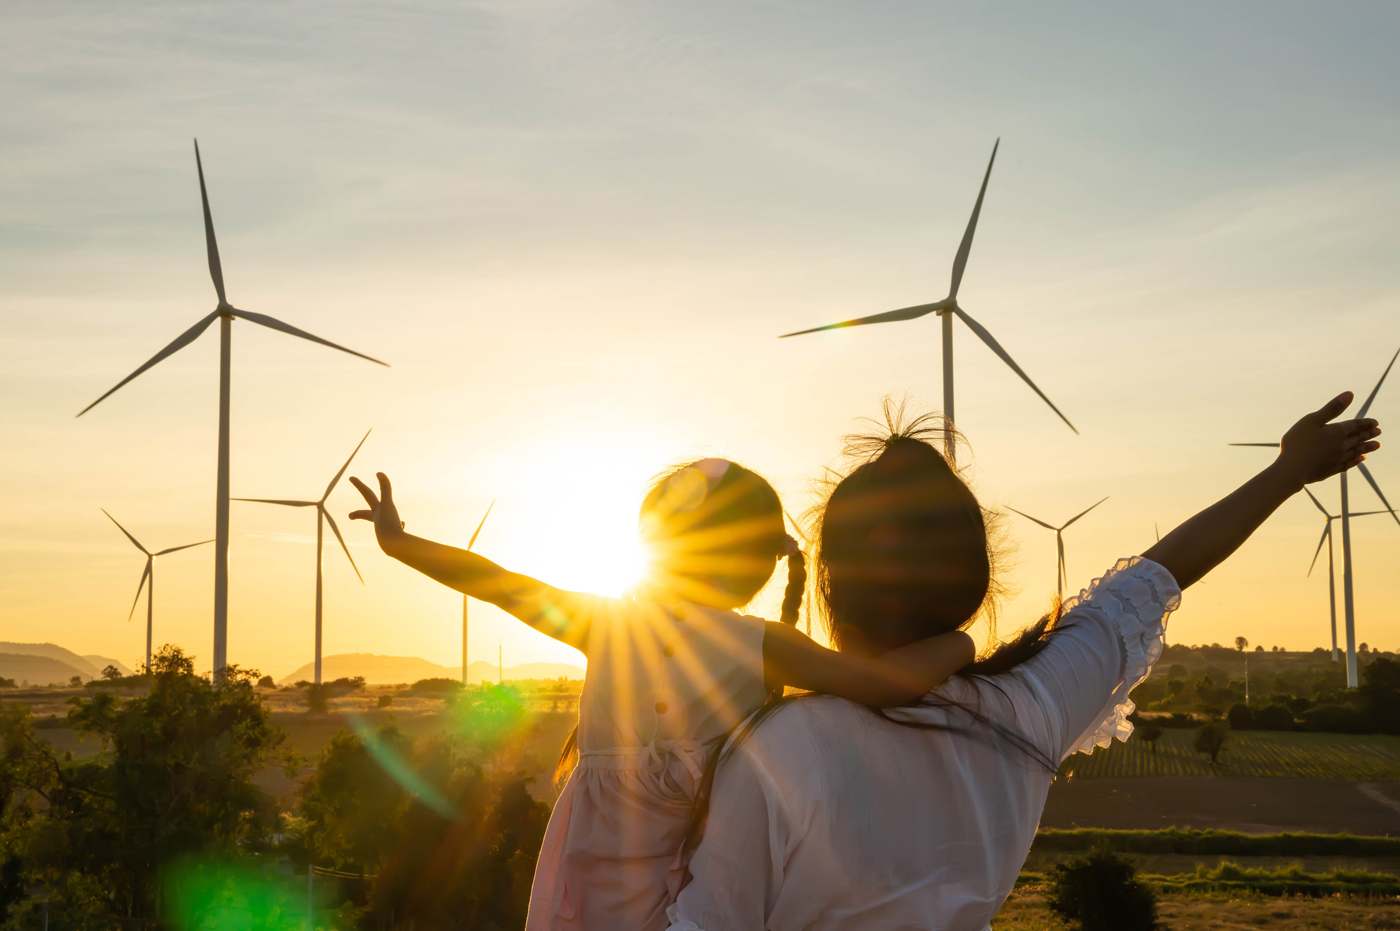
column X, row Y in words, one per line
column 1269, row 754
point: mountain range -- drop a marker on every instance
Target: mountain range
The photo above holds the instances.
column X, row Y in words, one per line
column 48, row 663
column 390, row 670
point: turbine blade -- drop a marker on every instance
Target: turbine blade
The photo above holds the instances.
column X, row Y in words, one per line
column 1325, row 531
column 216, row 270
column 889, row 316
column 135, row 542
column 992, row 344
column 290, row 504
column 472, row 541
column 1029, row 518
column 1083, row 512
column 346, row 466
column 145, row 574
column 178, row 343
column 1366, row 474
column 336, row 530
column 960, row 262
column 1269, row 445
column 1317, row 502
column 272, row 323
column 1367, row 406
column 176, row 549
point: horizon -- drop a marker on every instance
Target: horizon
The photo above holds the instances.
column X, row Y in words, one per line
column 576, row 232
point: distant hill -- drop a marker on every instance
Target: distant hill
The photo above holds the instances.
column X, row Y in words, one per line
column 82, row 666
column 37, row 670
column 101, row 662
column 389, row 670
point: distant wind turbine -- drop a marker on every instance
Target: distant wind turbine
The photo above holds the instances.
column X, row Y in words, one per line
column 1331, row 575
column 1348, row 599
column 1059, row 541
column 225, row 313
column 947, row 309
column 148, row 574
column 467, row 598
column 323, row 517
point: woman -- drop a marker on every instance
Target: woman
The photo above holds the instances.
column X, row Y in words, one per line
column 824, row 816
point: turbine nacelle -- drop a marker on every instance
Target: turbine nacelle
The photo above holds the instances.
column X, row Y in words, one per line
column 948, row 307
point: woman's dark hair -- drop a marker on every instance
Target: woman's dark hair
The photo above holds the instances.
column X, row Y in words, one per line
column 905, row 553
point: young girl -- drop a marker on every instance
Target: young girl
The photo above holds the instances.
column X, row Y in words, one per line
column 670, row 673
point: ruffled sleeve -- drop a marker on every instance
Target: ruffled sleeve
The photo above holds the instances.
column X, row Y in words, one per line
column 1133, row 601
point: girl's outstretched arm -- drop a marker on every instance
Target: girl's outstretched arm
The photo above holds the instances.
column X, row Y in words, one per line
column 1311, row 451
column 894, row 678
column 566, row 616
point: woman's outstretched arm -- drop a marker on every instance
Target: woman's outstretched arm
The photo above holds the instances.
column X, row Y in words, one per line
column 566, row 616
column 1312, row 450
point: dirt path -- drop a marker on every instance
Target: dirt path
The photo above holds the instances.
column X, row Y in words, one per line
column 1256, row 806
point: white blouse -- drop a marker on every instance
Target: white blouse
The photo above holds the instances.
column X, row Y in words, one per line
column 826, row 817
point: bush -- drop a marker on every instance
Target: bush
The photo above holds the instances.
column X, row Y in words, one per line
column 1179, row 719
column 440, row 684
column 1335, row 719
column 1101, row 892
column 1274, row 718
column 1240, row 716
column 266, row 683
column 6, row 683
column 385, row 701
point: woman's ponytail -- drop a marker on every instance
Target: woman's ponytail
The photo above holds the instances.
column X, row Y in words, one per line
column 796, row 583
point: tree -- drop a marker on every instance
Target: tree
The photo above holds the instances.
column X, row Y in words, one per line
column 175, row 782
column 1150, row 730
column 1241, row 643
column 1240, row 716
column 1211, row 738
column 1380, row 694
column 112, row 673
column 1101, row 892
column 75, row 682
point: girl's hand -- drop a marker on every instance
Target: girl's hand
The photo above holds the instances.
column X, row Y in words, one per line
column 388, row 528
column 1314, row 449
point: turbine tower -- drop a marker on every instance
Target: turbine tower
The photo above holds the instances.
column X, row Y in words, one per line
column 467, row 598
column 1059, row 541
column 225, row 313
column 148, row 574
column 948, row 308
column 1331, row 574
column 1348, row 598
column 323, row 517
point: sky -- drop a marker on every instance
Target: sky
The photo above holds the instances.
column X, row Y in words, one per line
column 575, row 230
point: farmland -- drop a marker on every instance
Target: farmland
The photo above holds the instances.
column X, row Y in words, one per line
column 1249, row 754
column 1026, row 911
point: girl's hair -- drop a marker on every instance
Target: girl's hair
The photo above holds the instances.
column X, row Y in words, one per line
column 906, row 553
column 713, row 526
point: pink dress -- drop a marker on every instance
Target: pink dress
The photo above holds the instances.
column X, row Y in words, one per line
column 664, row 683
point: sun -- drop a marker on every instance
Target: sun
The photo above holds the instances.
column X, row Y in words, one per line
column 570, row 518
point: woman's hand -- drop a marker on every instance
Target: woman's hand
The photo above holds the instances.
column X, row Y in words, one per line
column 1314, row 449
column 388, row 528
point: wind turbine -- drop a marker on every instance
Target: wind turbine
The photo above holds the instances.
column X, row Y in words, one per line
column 149, row 573
column 323, row 517
column 1348, row 599
column 467, row 598
column 948, row 308
column 1331, row 575
column 1059, row 540
column 225, row 313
